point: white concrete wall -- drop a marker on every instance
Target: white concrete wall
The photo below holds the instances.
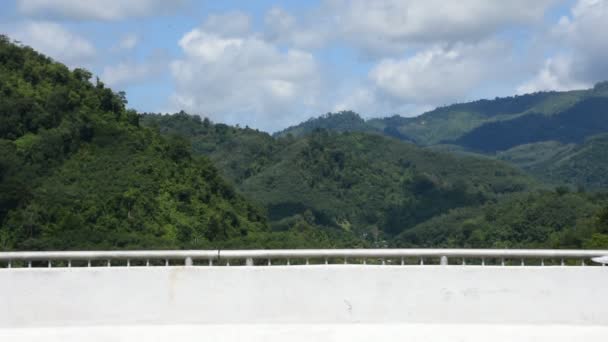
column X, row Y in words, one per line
column 335, row 294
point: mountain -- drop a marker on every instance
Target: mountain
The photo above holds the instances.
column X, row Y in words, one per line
column 557, row 219
column 78, row 171
column 367, row 184
column 530, row 127
column 582, row 164
column 345, row 121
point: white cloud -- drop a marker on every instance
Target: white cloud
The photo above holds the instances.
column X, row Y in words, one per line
column 241, row 78
column 55, row 41
column 95, row 9
column 229, row 24
column 582, row 55
column 556, row 74
column 390, row 26
column 439, row 74
column 132, row 72
column 128, row 42
column 282, row 27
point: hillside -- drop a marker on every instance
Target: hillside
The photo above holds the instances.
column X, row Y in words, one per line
column 582, row 164
column 559, row 219
column 363, row 183
column 345, row 121
column 529, row 127
column 77, row 170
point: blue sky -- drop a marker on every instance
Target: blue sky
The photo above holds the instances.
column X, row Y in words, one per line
column 270, row 64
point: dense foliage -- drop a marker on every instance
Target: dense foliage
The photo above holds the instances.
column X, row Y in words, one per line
column 586, row 118
column 77, row 171
column 577, row 165
column 557, row 219
column 366, row 184
column 344, row 121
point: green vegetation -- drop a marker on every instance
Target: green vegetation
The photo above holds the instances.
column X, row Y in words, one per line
column 80, row 171
column 77, row 170
column 345, row 121
column 582, row 165
column 363, row 184
column 558, row 219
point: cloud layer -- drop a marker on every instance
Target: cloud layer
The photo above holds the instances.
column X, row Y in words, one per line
column 95, row 9
column 277, row 65
column 233, row 76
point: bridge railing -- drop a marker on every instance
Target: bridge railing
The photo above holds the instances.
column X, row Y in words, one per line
column 483, row 257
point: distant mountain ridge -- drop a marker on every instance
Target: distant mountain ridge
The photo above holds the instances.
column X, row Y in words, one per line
column 492, row 127
column 463, row 123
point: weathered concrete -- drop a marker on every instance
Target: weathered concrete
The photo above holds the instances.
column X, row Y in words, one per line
column 331, row 301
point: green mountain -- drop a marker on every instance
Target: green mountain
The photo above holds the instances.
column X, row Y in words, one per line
column 525, row 130
column 557, row 163
column 559, row 219
column 345, row 121
column 367, row 184
column 78, row 171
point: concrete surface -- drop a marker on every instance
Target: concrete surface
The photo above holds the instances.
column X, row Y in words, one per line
column 322, row 303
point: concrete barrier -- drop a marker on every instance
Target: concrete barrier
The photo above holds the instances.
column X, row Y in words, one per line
column 349, row 298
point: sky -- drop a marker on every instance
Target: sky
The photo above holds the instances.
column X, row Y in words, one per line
column 272, row 64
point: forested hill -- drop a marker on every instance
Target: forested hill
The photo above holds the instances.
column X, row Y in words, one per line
column 486, row 125
column 78, row 171
column 366, row 184
column 345, row 121
column 504, row 127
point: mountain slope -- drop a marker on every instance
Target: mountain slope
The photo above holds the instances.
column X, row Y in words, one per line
column 578, row 165
column 543, row 219
column 363, row 183
column 77, row 170
column 345, row 121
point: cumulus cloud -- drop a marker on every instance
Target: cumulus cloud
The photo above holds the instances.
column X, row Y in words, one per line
column 556, row 74
column 55, row 41
column 439, row 74
column 236, row 77
column 582, row 51
column 390, row 26
column 131, row 72
column 95, row 9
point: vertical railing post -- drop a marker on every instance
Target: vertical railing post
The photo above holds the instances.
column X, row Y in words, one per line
column 188, row 261
column 444, row 260
column 249, row 261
